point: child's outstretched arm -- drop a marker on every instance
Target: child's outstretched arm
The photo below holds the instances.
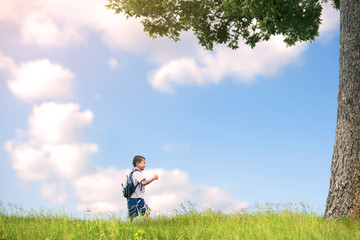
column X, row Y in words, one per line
column 146, row 182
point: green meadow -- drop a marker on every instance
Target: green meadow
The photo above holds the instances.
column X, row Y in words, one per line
column 269, row 222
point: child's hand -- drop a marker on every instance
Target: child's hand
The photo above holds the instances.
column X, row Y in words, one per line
column 155, row 177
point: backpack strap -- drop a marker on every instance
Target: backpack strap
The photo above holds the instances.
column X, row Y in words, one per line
column 131, row 173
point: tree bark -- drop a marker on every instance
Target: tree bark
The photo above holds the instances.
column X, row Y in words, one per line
column 344, row 191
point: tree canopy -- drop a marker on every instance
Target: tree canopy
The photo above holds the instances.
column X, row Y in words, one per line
column 226, row 21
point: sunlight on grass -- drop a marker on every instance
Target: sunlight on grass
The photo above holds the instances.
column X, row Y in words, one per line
column 269, row 221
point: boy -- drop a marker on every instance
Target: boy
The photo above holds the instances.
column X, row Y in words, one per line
column 136, row 203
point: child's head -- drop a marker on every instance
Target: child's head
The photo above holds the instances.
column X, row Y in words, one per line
column 137, row 160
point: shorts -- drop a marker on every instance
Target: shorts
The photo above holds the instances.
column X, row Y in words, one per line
column 136, row 206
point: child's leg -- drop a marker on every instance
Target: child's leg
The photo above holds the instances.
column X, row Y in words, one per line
column 133, row 208
column 146, row 215
column 144, row 209
column 129, row 219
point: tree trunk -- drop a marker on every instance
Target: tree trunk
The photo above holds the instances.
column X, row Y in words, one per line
column 344, row 191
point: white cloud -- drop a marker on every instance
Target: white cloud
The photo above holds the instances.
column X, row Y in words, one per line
column 54, row 192
column 13, row 10
column 58, row 123
column 7, row 64
column 101, row 207
column 70, row 160
column 41, row 29
column 101, row 191
column 57, row 23
column 183, row 71
column 330, row 22
column 102, row 186
column 172, row 189
column 29, row 162
column 55, row 147
column 39, row 80
column 220, row 199
column 243, row 64
column 175, row 147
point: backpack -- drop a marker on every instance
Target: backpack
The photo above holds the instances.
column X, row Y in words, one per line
column 128, row 186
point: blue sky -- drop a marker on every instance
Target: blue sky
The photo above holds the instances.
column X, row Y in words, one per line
column 83, row 91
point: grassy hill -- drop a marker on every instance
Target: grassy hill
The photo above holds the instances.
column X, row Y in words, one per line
column 265, row 223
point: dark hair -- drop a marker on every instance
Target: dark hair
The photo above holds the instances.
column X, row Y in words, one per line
column 138, row 159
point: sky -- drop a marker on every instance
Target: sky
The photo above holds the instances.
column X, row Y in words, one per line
column 84, row 90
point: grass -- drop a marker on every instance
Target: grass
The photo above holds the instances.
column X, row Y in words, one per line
column 265, row 222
